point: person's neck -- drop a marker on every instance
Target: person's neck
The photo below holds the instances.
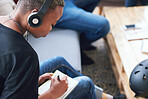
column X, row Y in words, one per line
column 19, row 21
column 16, row 22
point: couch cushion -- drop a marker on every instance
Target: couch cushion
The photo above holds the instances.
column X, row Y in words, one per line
column 59, row 42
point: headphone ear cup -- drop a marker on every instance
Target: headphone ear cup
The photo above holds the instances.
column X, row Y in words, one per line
column 34, row 20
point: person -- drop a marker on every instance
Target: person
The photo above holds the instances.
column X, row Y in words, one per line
column 85, row 89
column 19, row 66
column 77, row 15
column 130, row 3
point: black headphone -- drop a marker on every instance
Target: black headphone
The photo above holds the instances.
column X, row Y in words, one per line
column 35, row 18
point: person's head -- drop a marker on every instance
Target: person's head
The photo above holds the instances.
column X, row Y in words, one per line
column 53, row 14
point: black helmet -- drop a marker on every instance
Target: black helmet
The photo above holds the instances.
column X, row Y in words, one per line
column 139, row 79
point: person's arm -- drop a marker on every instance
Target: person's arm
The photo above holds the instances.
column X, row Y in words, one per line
column 57, row 88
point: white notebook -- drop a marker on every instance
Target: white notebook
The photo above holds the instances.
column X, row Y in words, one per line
column 71, row 85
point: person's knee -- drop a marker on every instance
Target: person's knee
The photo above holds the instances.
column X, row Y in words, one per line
column 60, row 58
column 86, row 83
column 105, row 26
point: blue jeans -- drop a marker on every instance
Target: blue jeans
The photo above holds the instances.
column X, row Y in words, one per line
column 130, row 3
column 85, row 88
column 77, row 16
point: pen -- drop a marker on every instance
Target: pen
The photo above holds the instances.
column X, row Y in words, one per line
column 58, row 78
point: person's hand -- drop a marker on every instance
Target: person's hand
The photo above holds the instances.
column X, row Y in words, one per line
column 44, row 77
column 58, row 88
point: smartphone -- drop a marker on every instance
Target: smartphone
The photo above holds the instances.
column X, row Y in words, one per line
column 131, row 26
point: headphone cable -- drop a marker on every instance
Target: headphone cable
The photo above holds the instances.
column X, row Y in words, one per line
column 16, row 23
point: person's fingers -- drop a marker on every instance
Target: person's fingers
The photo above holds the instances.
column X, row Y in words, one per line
column 47, row 75
column 64, row 78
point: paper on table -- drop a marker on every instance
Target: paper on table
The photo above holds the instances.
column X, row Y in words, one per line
column 136, row 34
column 144, row 46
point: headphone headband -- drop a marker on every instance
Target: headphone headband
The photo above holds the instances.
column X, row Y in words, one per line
column 44, row 7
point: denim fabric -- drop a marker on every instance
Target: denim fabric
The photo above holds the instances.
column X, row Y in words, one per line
column 85, row 88
column 130, row 3
column 58, row 63
column 77, row 16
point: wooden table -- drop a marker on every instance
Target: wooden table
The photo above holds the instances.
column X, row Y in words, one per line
column 124, row 54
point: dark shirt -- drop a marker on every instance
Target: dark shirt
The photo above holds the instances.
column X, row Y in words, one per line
column 19, row 66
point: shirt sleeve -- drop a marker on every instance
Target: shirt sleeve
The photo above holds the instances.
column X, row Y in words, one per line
column 21, row 76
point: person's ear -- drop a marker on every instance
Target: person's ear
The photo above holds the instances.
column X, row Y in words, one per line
column 34, row 19
column 34, row 10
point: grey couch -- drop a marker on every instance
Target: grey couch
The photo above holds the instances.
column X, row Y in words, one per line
column 59, row 42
